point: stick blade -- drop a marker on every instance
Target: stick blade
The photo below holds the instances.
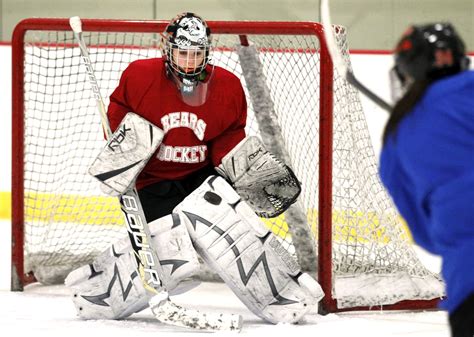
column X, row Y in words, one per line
column 170, row 313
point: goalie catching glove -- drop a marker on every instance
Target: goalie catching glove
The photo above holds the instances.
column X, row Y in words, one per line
column 126, row 154
column 263, row 181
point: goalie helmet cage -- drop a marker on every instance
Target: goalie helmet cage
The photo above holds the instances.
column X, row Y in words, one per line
column 61, row 220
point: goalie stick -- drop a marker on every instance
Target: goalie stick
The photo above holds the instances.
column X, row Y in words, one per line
column 338, row 61
column 149, row 267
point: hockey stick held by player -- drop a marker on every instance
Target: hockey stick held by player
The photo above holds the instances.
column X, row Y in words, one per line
column 110, row 288
column 340, row 63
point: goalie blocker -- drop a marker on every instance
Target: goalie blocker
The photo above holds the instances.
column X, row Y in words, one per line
column 263, row 181
column 126, row 154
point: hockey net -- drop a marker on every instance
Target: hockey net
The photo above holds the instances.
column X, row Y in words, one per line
column 343, row 228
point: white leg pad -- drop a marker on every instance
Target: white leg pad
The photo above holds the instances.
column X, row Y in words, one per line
column 247, row 256
column 110, row 287
column 176, row 253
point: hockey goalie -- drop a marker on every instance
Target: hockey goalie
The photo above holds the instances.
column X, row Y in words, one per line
column 217, row 222
column 188, row 123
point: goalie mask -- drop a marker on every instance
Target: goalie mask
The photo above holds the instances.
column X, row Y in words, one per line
column 187, row 43
column 427, row 52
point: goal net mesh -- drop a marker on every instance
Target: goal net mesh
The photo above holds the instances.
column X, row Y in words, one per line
column 68, row 220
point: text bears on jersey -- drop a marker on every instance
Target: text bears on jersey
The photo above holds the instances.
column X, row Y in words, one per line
column 184, row 120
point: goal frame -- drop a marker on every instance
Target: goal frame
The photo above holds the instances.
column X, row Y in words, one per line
column 243, row 28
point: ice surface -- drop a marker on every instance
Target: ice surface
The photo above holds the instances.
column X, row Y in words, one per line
column 47, row 311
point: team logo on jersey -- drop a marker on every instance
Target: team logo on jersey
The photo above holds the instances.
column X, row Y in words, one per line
column 183, row 154
column 184, row 120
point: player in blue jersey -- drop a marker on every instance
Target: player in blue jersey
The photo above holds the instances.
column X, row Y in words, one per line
column 427, row 160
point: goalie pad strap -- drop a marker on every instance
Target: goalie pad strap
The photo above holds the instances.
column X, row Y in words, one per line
column 232, row 239
column 126, row 154
column 263, row 181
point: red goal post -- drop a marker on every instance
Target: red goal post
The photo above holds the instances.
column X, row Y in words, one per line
column 34, row 45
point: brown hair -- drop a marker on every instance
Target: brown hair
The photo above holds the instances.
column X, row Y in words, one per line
column 405, row 105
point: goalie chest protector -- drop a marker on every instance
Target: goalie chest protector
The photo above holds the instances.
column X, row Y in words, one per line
column 194, row 136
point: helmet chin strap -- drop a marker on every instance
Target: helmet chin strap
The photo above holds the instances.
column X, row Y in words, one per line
column 185, row 83
column 188, row 85
column 195, row 79
column 192, row 88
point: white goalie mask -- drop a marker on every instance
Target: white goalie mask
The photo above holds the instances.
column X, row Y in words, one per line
column 187, row 44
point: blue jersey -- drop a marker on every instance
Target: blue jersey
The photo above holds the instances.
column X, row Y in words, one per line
column 427, row 165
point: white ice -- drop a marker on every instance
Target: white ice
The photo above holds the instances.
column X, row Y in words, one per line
column 47, row 311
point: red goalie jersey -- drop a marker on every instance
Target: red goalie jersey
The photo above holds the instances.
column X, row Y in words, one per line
column 195, row 137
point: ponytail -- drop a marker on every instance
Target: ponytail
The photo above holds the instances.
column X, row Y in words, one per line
column 404, row 106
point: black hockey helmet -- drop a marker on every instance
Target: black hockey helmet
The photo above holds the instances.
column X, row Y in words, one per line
column 187, row 32
column 186, row 49
column 429, row 52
